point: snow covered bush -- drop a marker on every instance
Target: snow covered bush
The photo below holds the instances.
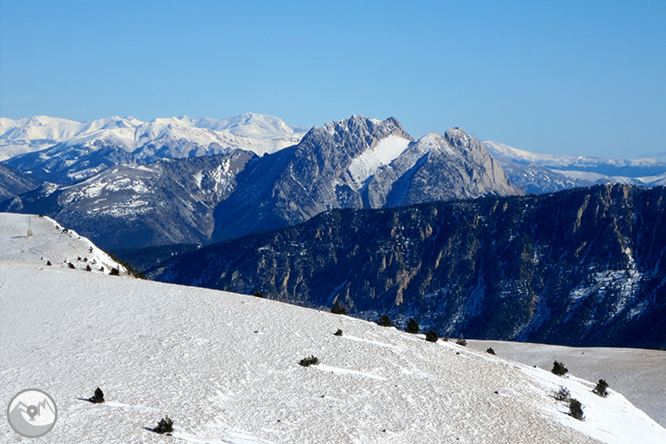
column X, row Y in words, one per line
column 431, row 336
column 385, row 321
column 576, row 409
column 310, row 360
column 412, row 326
column 600, row 389
column 164, row 426
column 559, row 369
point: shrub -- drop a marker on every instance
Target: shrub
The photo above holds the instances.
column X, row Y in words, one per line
column 576, row 409
column 310, row 360
column 490, row 350
column 412, row 326
column 431, row 336
column 563, row 394
column 338, row 333
column 600, row 389
column 48, row 263
column 259, row 294
column 98, row 397
column 338, row 308
column 385, row 321
column 70, row 265
column 114, row 272
column 88, row 268
column 164, row 426
column 559, row 369
column 461, row 341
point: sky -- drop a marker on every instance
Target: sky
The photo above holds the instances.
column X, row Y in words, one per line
column 565, row 77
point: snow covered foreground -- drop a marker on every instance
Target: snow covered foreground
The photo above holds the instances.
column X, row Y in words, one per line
column 225, row 368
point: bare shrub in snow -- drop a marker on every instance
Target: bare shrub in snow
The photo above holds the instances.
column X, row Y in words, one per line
column 338, row 308
column 563, row 394
column 310, row 360
column 576, row 409
column 431, row 336
column 164, row 426
column 412, row 326
column 559, row 369
column 600, row 389
column 385, row 321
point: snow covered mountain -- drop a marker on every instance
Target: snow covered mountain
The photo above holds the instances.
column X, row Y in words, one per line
column 168, row 202
column 352, row 163
column 357, row 163
column 63, row 151
column 545, row 173
column 225, row 367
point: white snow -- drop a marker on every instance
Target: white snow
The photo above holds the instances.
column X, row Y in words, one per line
column 225, row 368
column 254, row 132
column 367, row 163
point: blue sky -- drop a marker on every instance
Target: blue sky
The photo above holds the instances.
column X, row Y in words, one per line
column 565, row 77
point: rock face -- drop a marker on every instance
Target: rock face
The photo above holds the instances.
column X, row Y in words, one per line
column 579, row 267
column 13, row 183
column 169, row 202
column 357, row 163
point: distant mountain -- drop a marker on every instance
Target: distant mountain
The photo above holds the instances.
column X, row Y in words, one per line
column 353, row 163
column 581, row 267
column 168, row 202
column 13, row 183
column 543, row 173
column 61, row 151
column 357, row 163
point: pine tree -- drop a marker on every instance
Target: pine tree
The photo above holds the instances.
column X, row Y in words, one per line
column 431, row 336
column 600, row 389
column 412, row 326
column 385, row 321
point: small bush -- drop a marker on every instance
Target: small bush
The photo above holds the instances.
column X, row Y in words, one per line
column 412, row 326
column 600, row 389
column 98, row 397
column 576, row 409
column 48, row 263
column 338, row 308
column 563, row 394
column 114, row 272
column 70, row 265
column 461, row 341
column 490, row 350
column 431, row 336
column 164, row 426
column 88, row 268
column 259, row 294
column 385, row 321
column 559, row 369
column 338, row 333
column 310, row 360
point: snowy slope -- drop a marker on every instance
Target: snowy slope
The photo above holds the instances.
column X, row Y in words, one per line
column 637, row 373
column 36, row 240
column 225, row 368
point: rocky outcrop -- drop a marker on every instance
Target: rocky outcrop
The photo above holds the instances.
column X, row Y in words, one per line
column 579, row 267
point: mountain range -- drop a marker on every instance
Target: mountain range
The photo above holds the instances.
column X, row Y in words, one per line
column 582, row 267
column 354, row 163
